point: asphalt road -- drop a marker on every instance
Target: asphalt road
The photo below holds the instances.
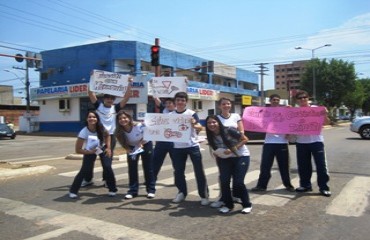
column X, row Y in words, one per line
column 36, row 206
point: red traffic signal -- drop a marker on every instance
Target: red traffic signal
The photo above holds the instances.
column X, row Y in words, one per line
column 155, row 49
column 155, row 55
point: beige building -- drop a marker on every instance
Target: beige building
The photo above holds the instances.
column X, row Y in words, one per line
column 288, row 76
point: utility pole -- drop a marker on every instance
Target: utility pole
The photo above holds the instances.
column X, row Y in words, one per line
column 261, row 71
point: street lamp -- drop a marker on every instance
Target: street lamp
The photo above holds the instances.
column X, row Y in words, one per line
column 313, row 68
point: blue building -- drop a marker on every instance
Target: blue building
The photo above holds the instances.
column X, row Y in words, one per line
column 65, row 75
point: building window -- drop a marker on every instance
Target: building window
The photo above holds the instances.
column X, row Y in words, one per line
column 197, row 105
column 64, row 105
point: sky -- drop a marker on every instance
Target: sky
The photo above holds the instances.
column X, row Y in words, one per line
column 240, row 33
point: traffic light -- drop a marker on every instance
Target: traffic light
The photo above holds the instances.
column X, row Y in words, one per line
column 155, row 55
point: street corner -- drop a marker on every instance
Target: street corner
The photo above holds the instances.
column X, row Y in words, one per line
column 10, row 170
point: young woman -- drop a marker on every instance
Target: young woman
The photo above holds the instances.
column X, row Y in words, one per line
column 94, row 140
column 228, row 145
column 228, row 119
column 130, row 136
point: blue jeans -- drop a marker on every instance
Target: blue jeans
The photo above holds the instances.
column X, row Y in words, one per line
column 304, row 153
column 180, row 156
column 88, row 164
column 89, row 175
column 146, row 158
column 269, row 151
column 236, row 168
column 160, row 151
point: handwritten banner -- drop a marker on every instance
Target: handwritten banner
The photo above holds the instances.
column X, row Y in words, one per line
column 168, row 86
column 167, row 127
column 108, row 82
column 284, row 120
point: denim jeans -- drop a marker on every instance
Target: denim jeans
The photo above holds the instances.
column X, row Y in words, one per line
column 88, row 164
column 160, row 151
column 304, row 152
column 236, row 168
column 90, row 175
column 180, row 156
column 133, row 173
column 269, row 151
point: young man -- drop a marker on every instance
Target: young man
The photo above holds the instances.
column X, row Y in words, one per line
column 276, row 145
column 181, row 151
column 107, row 112
column 162, row 148
column 311, row 146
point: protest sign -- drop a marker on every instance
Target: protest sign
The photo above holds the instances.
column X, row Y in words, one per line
column 167, row 87
column 108, row 82
column 284, row 120
column 167, row 127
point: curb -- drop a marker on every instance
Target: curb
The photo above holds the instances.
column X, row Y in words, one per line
column 74, row 156
column 6, row 173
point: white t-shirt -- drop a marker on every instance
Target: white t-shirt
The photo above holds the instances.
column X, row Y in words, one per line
column 231, row 121
column 135, row 137
column 275, row 138
column 107, row 115
column 193, row 142
column 91, row 139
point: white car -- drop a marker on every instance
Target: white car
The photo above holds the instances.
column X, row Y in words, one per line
column 361, row 125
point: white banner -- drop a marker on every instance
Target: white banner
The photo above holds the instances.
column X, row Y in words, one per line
column 167, row 87
column 108, row 82
column 167, row 127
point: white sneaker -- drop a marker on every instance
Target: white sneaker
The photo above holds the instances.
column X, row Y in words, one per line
column 86, row 183
column 224, row 210
column 217, row 204
column 150, row 195
column 179, row 198
column 247, row 210
column 204, row 201
column 72, row 195
column 129, row 196
column 112, row 194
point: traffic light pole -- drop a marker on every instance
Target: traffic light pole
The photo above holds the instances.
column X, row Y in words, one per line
column 157, row 69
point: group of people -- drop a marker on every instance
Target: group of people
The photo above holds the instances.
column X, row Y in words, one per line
column 226, row 140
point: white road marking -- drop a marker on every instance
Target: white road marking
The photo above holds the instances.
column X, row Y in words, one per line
column 73, row 222
column 214, row 189
column 6, row 173
column 352, row 200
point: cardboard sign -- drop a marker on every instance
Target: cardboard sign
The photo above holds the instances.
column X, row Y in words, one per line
column 108, row 83
column 167, row 87
column 284, row 120
column 167, row 127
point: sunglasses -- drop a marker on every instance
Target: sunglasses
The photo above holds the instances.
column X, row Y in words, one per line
column 302, row 97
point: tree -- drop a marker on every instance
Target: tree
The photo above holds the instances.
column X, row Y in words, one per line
column 355, row 99
column 366, row 88
column 334, row 79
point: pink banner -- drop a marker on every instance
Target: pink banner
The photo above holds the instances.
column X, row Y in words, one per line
column 288, row 120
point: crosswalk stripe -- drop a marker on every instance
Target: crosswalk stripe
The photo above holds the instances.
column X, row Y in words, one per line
column 279, row 198
column 96, row 170
column 352, row 200
column 214, row 189
column 74, row 222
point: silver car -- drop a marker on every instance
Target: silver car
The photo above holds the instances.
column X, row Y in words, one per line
column 361, row 125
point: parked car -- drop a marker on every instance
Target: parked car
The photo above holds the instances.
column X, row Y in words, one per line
column 361, row 125
column 6, row 131
column 255, row 135
column 344, row 117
